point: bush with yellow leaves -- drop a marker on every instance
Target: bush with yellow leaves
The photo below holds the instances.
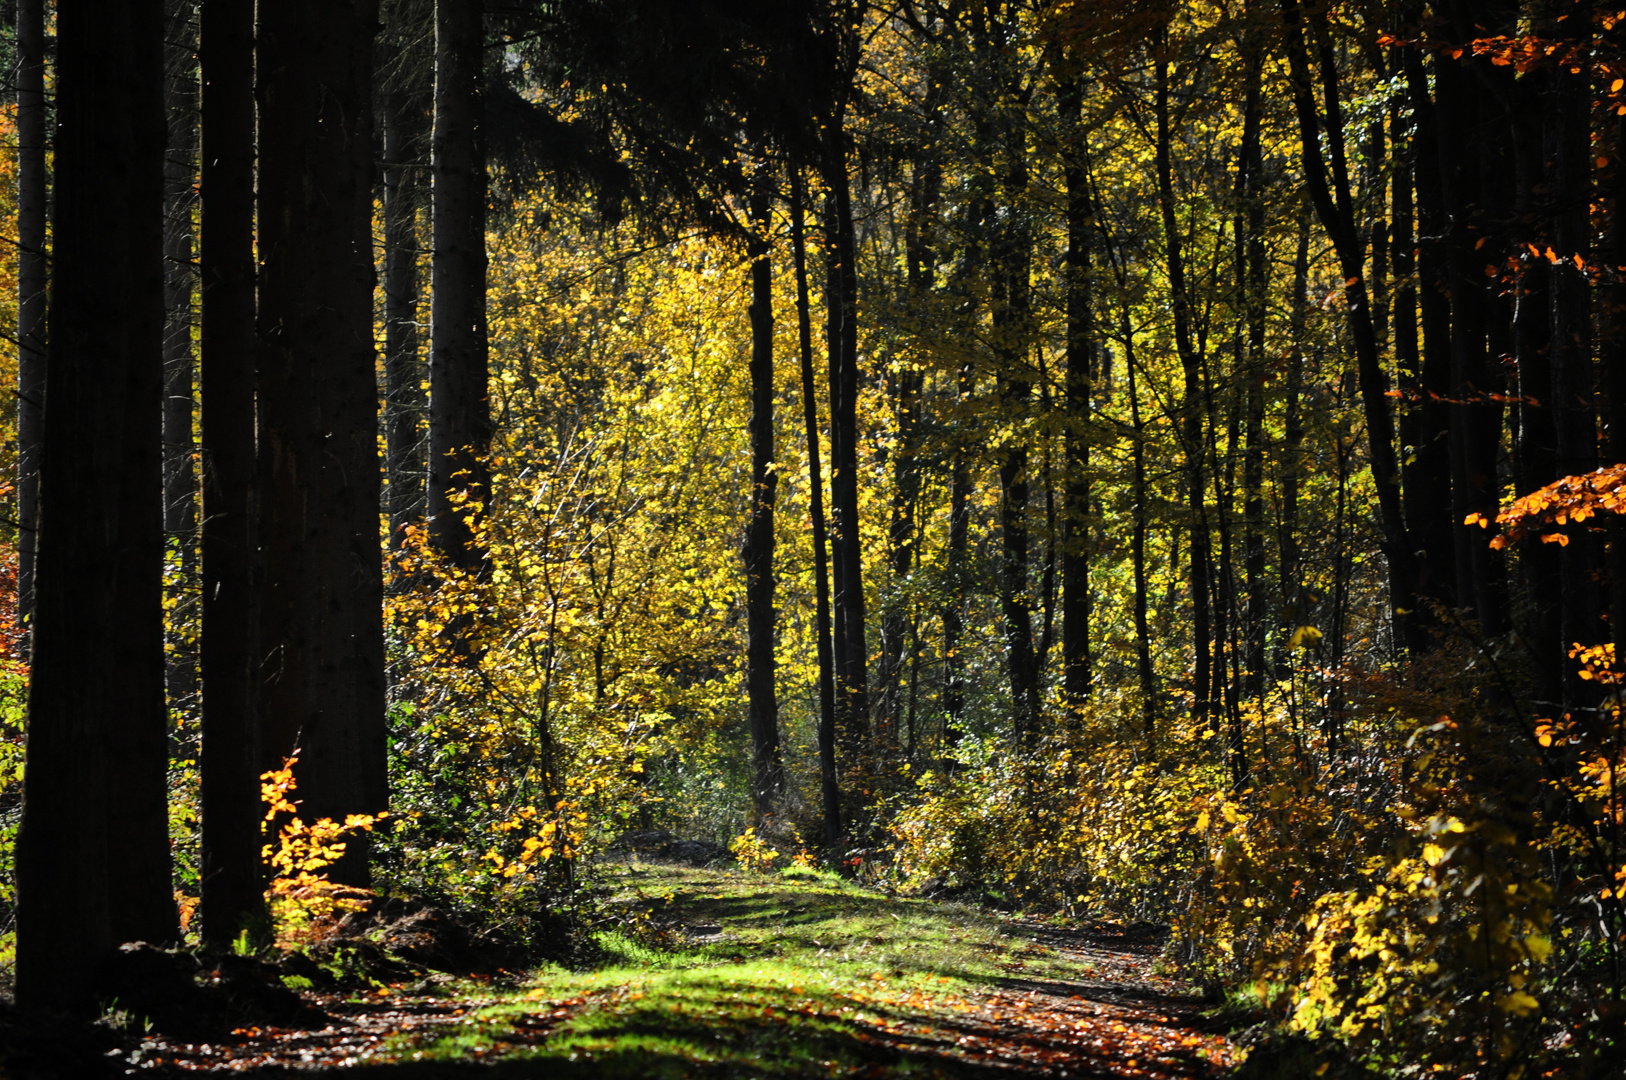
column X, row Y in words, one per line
column 1419, row 875
column 305, row 906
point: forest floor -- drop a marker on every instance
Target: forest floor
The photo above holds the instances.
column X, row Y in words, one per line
column 728, row 973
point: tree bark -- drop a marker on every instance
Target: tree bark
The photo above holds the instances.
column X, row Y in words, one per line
column 319, row 468
column 841, row 306
column 1197, row 583
column 459, row 412
column 233, row 879
column 829, row 792
column 1426, row 420
column 93, row 865
column 767, row 772
column 31, row 285
column 1075, row 575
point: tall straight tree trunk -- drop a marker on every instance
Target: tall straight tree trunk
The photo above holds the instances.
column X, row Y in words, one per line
column 1013, row 333
column 31, row 286
column 1075, row 575
column 959, row 544
column 93, row 866
column 459, row 412
column 1191, row 407
column 1295, row 605
column 1535, row 437
column 180, row 478
column 852, row 651
column 1426, row 474
column 829, row 792
column 1254, row 274
column 1467, row 123
column 231, row 761
column 767, row 770
column 319, row 469
column 405, row 403
column 905, row 385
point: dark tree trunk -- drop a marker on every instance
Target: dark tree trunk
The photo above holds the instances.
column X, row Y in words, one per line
column 459, row 412
column 1075, row 575
column 1255, row 275
column 180, row 476
column 1466, row 121
column 231, row 762
column 31, row 285
column 405, row 404
column 1012, row 258
column 1426, row 475
column 319, row 470
column 841, row 284
column 954, row 665
column 1191, row 421
column 1535, row 441
column 93, row 865
column 1295, row 604
column 830, row 793
column 767, row 772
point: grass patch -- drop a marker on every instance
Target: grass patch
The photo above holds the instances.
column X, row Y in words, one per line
column 768, row 975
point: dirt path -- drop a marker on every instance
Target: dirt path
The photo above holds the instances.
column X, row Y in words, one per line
column 775, row 991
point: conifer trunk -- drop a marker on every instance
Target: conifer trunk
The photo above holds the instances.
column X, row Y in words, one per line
column 1075, row 574
column 231, row 761
column 459, row 419
column 828, row 790
column 93, row 866
column 841, row 284
column 767, row 772
column 319, row 468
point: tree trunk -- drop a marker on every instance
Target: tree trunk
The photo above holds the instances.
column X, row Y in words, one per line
column 905, row 385
column 1466, row 121
column 319, row 470
column 851, row 652
column 459, row 412
column 1075, row 575
column 1535, row 442
column 31, row 285
column 1426, row 474
column 1255, row 277
column 767, row 773
column 1197, row 584
column 233, row 879
column 93, row 866
column 830, row 793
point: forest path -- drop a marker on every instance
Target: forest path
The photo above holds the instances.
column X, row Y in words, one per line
column 726, row 973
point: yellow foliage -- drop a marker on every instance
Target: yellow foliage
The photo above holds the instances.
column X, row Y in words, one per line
column 304, row 904
column 752, row 852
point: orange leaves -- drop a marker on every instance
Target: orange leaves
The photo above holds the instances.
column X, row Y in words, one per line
column 1571, row 500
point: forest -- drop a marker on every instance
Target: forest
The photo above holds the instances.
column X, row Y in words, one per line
column 874, row 537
